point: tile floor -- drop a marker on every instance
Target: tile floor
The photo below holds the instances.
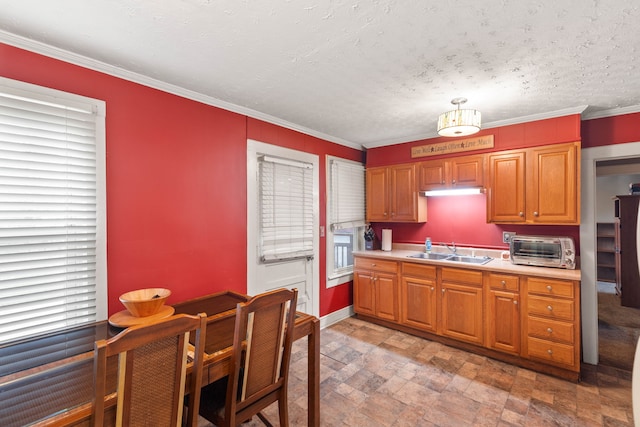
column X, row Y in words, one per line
column 374, row 376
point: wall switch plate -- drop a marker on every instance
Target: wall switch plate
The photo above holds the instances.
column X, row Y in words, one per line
column 506, row 236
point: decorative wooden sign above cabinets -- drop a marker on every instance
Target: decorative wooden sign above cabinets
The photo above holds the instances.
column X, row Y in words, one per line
column 455, row 146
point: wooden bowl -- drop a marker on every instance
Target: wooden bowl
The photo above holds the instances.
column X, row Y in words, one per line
column 145, row 302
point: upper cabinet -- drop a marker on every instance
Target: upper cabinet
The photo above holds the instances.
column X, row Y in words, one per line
column 535, row 186
column 392, row 195
column 456, row 172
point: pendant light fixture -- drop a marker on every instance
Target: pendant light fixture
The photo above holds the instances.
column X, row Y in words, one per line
column 459, row 122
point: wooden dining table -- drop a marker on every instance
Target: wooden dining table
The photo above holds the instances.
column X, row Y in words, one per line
column 59, row 390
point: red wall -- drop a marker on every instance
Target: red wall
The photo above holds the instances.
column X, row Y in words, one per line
column 176, row 182
column 463, row 219
column 611, row 130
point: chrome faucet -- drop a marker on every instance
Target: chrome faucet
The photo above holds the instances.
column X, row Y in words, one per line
column 452, row 248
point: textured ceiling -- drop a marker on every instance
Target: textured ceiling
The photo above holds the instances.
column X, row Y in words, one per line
column 356, row 72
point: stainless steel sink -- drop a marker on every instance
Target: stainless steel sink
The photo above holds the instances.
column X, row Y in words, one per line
column 453, row 258
column 432, row 255
column 470, row 259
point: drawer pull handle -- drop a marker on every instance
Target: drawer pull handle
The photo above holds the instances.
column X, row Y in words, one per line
column 550, row 351
column 550, row 330
column 549, row 288
column 549, row 308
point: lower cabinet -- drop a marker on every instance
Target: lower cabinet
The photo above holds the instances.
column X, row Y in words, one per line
column 418, row 296
column 461, row 302
column 375, row 284
column 552, row 322
column 503, row 313
column 530, row 320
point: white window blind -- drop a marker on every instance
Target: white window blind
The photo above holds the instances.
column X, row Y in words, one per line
column 48, row 212
column 286, row 209
column 346, row 193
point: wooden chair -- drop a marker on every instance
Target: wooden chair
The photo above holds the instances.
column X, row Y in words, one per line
column 151, row 373
column 259, row 369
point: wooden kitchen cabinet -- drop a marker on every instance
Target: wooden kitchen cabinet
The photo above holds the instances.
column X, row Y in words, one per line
column 418, row 296
column 392, row 195
column 461, row 305
column 553, row 322
column 455, row 172
column 538, row 185
column 527, row 320
column 375, row 285
column 503, row 313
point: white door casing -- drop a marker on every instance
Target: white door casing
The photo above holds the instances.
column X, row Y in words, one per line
column 588, row 273
column 300, row 273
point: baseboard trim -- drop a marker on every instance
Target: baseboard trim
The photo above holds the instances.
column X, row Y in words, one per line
column 336, row 316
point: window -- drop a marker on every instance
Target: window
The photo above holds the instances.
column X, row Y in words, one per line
column 286, row 209
column 52, row 210
column 345, row 217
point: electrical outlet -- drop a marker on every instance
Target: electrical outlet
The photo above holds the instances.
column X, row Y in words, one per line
column 506, row 236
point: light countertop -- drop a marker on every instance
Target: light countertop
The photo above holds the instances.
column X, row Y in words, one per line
column 401, row 252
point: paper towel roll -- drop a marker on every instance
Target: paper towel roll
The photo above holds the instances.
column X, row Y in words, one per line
column 386, row 239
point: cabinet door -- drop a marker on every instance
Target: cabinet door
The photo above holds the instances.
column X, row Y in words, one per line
column 552, row 189
column 506, row 192
column 377, row 194
column 432, row 175
column 386, row 288
column 404, row 198
column 364, row 292
column 503, row 321
column 418, row 304
column 462, row 312
column 467, row 171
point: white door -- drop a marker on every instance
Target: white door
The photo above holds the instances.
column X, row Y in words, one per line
column 299, row 272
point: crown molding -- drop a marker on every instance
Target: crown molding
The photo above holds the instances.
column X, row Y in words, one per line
column 612, row 112
column 92, row 64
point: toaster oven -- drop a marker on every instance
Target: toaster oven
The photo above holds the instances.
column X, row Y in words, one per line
column 544, row 251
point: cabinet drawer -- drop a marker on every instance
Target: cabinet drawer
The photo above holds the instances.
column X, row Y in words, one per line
column 554, row 308
column 561, row 354
column 504, row 282
column 466, row 276
column 376, row 264
column 551, row 330
column 418, row 270
column 551, row 287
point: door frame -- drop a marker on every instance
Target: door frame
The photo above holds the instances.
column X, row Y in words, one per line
column 588, row 268
column 253, row 148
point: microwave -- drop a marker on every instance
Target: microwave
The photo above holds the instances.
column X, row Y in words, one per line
column 543, row 251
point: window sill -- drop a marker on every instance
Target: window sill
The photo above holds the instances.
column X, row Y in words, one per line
column 339, row 280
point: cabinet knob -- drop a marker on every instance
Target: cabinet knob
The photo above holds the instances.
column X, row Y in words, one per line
column 453, row 182
column 550, row 330
column 550, row 351
column 549, row 288
column 385, row 214
column 503, row 283
column 373, row 265
column 521, row 213
column 535, row 214
column 515, row 302
column 549, row 308
column 443, row 290
column 442, row 182
column 432, row 289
